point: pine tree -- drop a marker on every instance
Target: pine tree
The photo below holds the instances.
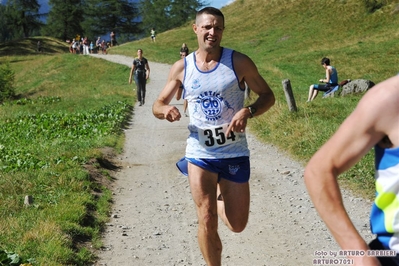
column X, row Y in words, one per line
column 64, row 19
column 22, row 17
column 120, row 16
column 166, row 14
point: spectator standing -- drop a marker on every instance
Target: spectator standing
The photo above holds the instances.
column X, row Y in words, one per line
column 98, row 45
column 81, row 48
column 103, row 47
column 141, row 71
column 113, row 38
column 153, row 34
column 184, row 50
column 91, row 47
column 74, row 46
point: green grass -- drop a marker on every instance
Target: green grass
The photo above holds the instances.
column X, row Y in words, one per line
column 69, row 108
column 55, row 137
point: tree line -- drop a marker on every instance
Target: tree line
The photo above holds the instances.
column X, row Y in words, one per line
column 130, row 19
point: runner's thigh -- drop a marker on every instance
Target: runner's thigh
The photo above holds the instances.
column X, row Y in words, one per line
column 236, row 198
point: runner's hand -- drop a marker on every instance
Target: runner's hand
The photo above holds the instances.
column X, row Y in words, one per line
column 171, row 113
column 238, row 123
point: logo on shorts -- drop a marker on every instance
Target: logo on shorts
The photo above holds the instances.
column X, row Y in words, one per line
column 233, row 169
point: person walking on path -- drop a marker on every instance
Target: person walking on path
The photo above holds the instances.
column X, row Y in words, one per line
column 217, row 154
column 113, row 39
column 330, row 81
column 153, row 34
column 141, row 71
column 179, row 93
column 374, row 123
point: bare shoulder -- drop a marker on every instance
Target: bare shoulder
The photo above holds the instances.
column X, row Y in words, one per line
column 177, row 69
column 380, row 106
column 383, row 95
column 241, row 58
column 244, row 65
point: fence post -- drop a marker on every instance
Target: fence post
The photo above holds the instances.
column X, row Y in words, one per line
column 289, row 95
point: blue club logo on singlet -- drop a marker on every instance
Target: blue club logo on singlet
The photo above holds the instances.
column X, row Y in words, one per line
column 196, row 84
column 211, row 105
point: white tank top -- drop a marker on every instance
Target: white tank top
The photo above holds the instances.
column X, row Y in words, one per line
column 214, row 97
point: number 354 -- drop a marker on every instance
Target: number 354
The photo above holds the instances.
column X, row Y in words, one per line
column 217, row 136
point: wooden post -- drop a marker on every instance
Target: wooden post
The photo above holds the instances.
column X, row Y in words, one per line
column 28, row 200
column 289, row 95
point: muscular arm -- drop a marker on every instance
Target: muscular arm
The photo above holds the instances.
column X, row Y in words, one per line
column 161, row 108
column 375, row 116
column 248, row 73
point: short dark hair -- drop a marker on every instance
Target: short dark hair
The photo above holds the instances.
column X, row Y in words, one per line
column 326, row 61
column 210, row 11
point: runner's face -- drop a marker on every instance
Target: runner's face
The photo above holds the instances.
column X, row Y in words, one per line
column 209, row 30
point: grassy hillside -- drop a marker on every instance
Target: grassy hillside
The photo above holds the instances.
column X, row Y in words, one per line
column 287, row 39
column 28, row 46
column 56, row 145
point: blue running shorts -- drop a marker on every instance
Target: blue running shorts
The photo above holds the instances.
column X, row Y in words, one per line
column 232, row 169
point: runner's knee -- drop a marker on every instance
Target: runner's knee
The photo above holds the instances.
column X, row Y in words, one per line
column 238, row 226
column 209, row 220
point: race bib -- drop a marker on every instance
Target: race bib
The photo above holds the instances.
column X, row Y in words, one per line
column 216, row 136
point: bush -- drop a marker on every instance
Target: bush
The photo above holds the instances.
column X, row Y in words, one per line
column 7, row 90
column 373, row 5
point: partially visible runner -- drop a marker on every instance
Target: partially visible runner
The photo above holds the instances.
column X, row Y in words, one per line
column 179, row 93
column 141, row 71
column 374, row 123
column 217, row 154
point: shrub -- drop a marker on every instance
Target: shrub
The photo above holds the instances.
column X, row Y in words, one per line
column 373, row 5
column 7, row 89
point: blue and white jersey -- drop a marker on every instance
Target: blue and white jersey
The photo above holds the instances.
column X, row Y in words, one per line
column 384, row 216
column 214, row 97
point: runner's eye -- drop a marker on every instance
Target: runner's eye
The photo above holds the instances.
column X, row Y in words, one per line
column 209, row 27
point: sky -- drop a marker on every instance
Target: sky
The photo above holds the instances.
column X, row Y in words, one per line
column 219, row 3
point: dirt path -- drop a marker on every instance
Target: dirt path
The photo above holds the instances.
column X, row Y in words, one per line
column 154, row 221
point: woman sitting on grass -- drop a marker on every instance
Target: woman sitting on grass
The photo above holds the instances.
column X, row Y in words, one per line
column 331, row 80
